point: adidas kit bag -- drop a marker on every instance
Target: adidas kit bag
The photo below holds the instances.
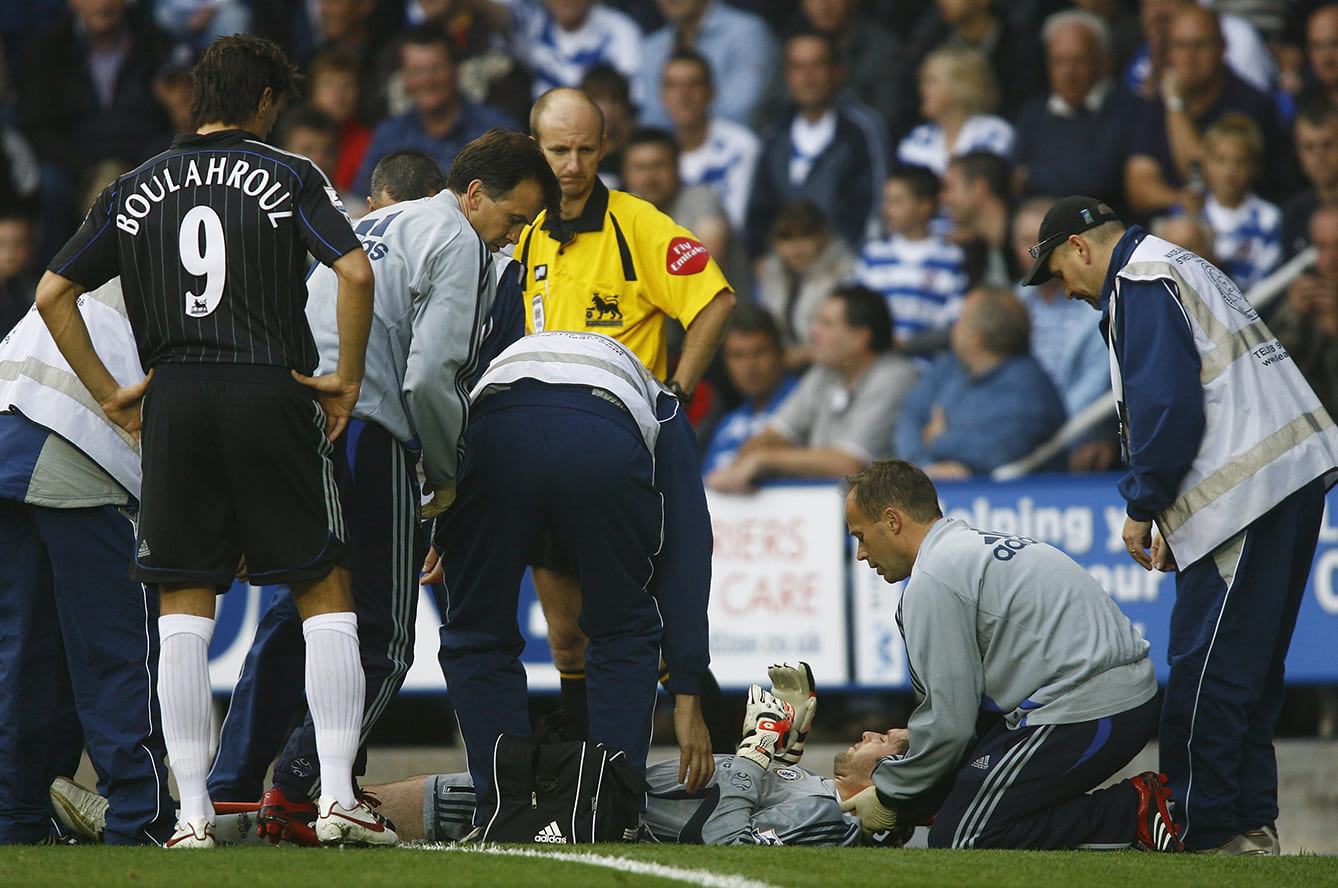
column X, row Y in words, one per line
column 565, row 793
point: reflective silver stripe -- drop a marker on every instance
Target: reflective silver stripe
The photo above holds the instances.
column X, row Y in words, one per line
column 1242, row 467
column 63, row 381
column 550, row 357
column 1241, row 343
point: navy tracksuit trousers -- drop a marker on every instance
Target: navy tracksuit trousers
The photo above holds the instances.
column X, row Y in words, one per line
column 1030, row 787
column 1231, row 625
column 72, row 622
column 558, row 458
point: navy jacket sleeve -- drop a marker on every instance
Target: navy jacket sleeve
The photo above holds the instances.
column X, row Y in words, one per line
column 682, row 580
column 1163, row 396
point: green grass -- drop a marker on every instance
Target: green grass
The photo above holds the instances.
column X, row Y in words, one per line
column 93, row 867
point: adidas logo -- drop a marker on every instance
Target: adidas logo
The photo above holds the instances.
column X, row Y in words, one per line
column 983, row 763
column 144, row 549
column 551, row 834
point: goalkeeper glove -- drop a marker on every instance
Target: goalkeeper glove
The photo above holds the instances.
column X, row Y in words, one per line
column 765, row 723
column 795, row 685
column 877, row 822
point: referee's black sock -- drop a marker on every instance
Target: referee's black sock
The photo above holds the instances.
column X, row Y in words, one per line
column 576, row 705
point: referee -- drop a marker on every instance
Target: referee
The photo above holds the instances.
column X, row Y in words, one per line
column 610, row 263
column 210, row 239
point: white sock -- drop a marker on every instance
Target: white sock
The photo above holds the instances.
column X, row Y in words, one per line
column 185, row 699
column 336, row 687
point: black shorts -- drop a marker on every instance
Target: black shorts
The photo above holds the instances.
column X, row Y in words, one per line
column 235, row 462
column 548, row 553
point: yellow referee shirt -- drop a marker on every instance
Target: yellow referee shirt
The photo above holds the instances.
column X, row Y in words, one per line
column 618, row 269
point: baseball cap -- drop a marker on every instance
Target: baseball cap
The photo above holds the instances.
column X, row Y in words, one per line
column 1069, row 216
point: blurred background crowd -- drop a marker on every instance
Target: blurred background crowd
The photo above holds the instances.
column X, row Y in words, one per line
column 869, row 174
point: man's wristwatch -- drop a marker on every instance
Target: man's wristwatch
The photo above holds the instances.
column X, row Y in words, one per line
column 682, row 396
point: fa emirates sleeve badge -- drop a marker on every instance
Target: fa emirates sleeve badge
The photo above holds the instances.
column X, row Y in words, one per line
column 686, row 256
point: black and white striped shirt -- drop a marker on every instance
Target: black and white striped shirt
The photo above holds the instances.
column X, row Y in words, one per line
column 210, row 240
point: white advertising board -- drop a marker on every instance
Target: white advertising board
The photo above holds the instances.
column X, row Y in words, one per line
column 778, row 584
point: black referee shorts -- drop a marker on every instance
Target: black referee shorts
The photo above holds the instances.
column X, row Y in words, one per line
column 235, row 462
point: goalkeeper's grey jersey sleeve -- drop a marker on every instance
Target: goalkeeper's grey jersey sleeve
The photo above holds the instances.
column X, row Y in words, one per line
column 434, row 286
column 743, row 804
column 1011, row 625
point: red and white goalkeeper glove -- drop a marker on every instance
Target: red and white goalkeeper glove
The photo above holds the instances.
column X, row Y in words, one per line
column 766, row 721
column 795, row 685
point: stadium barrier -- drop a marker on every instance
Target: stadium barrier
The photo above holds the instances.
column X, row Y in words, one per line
column 785, row 586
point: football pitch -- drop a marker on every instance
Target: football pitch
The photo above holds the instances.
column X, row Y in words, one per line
column 617, row 866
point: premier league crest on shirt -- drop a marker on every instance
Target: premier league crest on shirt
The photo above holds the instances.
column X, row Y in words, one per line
column 603, row 311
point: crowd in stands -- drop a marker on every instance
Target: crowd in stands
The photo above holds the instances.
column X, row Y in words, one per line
column 869, row 173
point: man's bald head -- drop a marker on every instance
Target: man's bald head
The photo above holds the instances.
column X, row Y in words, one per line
column 571, row 106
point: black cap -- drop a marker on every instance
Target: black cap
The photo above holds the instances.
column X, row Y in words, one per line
column 1069, row 216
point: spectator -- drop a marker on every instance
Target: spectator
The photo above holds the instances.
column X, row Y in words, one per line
column 488, row 73
column 1307, row 323
column 1067, row 342
column 1073, row 141
column 1009, row 46
column 1195, row 90
column 441, row 121
column 831, row 152
column 1247, row 229
column 20, row 173
column 920, row 274
column 1121, row 21
column 312, row 133
column 85, row 95
column 352, row 27
column 560, row 40
column 650, row 171
column 840, row 417
column 333, row 85
column 1321, row 56
column 714, row 150
column 198, row 22
column 805, row 264
column 986, row 403
column 975, row 194
column 18, row 277
column 1317, row 149
column 173, row 89
column 315, row 135
column 1245, row 52
column 612, row 92
column 1292, row 46
column 957, row 97
column 874, row 59
column 754, row 360
column 738, row 45
column 1188, row 232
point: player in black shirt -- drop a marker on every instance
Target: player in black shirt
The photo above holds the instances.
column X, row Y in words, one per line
column 209, row 239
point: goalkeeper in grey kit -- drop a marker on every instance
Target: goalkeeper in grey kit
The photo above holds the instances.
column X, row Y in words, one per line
column 758, row 796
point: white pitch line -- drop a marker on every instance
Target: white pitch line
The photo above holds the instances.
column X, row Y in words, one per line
column 705, row 878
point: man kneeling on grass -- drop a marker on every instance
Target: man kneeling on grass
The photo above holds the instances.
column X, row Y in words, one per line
column 1013, row 626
